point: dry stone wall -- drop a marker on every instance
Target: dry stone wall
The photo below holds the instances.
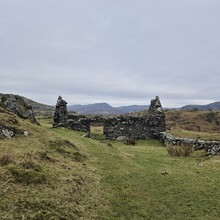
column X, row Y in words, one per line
column 148, row 126
column 211, row 147
column 130, row 127
column 79, row 123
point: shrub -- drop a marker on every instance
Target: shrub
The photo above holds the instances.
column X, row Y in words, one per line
column 6, row 158
column 179, row 151
column 209, row 117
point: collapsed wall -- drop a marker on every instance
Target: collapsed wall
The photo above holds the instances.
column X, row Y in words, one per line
column 211, row 147
column 147, row 126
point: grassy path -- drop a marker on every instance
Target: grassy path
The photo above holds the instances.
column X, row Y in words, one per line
column 143, row 182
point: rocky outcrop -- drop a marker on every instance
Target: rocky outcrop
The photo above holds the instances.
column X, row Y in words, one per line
column 16, row 105
column 10, row 126
column 211, row 147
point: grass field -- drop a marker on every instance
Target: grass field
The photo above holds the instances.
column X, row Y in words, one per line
column 143, row 182
column 94, row 178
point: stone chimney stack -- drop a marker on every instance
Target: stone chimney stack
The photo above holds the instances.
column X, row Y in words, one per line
column 61, row 114
column 156, row 118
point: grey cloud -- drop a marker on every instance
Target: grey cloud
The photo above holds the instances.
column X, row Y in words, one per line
column 121, row 52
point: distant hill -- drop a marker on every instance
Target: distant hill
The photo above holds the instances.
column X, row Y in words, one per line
column 211, row 106
column 132, row 108
column 39, row 108
column 97, row 108
column 105, row 108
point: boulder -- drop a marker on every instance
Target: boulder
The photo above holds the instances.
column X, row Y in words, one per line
column 121, row 138
column 7, row 133
column 26, row 133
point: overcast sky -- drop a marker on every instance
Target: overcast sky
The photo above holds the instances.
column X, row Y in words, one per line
column 117, row 51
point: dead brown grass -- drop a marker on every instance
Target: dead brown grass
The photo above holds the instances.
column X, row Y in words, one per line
column 6, row 158
column 198, row 121
column 179, row 151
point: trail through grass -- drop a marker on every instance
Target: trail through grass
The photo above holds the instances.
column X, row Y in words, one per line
column 143, row 182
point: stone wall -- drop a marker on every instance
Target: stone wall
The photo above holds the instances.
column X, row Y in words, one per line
column 211, row 147
column 79, row 123
column 130, row 127
column 72, row 121
column 147, row 126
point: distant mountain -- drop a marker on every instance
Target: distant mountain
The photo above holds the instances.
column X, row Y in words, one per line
column 97, row 108
column 39, row 107
column 211, row 106
column 105, row 108
column 132, row 108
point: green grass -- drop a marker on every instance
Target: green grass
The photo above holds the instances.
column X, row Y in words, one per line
column 143, row 182
column 48, row 177
column 93, row 178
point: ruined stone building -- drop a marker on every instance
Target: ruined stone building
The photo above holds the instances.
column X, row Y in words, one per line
column 147, row 126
